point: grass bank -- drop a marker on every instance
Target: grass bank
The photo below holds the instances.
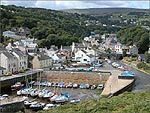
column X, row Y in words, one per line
column 128, row 102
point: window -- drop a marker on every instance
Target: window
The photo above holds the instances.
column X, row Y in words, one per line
column 85, row 59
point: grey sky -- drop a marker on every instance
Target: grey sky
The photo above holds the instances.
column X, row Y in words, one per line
column 79, row 4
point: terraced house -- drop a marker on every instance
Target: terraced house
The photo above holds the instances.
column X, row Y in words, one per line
column 41, row 61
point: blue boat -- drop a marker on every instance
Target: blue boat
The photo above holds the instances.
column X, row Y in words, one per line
column 82, row 86
column 127, row 73
column 61, row 84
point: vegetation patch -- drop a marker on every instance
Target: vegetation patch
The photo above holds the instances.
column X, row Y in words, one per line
column 128, row 102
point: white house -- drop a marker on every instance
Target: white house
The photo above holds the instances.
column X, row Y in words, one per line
column 82, row 56
column 9, row 61
column 87, row 59
column 118, row 48
column 27, row 45
column 22, row 59
column 12, row 34
column 9, row 34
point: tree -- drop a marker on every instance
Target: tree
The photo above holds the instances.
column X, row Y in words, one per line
column 147, row 57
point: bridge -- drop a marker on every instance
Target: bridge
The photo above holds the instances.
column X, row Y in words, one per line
column 10, row 80
column 117, row 84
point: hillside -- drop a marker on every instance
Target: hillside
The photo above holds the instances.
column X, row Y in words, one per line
column 100, row 11
column 48, row 26
column 138, row 102
column 135, row 36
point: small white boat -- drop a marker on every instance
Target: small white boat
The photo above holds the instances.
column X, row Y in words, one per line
column 48, row 94
column 48, row 106
column 100, row 86
column 19, row 93
column 37, row 106
column 74, row 101
column 52, row 99
column 3, row 97
column 17, row 86
column 75, row 85
column 93, row 86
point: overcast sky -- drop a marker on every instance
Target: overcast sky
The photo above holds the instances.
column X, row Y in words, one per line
column 78, row 4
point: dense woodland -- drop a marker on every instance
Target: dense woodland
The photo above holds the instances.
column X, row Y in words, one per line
column 48, row 26
column 58, row 28
column 135, row 35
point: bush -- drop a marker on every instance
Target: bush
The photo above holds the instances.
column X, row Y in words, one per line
column 143, row 66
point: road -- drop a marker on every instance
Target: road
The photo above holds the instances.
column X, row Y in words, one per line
column 142, row 81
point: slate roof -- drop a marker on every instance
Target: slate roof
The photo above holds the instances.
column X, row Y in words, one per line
column 43, row 57
column 8, row 55
column 2, row 49
column 66, row 48
column 90, row 55
column 84, row 51
column 18, row 52
column 142, row 56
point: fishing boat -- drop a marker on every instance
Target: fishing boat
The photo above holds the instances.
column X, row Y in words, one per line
column 82, row 86
column 75, row 85
column 93, row 86
column 48, row 94
column 62, row 98
column 3, row 97
column 17, row 86
column 61, row 84
column 52, row 99
column 48, row 106
column 37, row 106
column 27, row 103
column 74, row 101
column 41, row 93
column 100, row 86
column 87, row 86
column 70, row 85
column 35, row 92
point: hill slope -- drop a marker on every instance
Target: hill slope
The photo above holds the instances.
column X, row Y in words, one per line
column 99, row 11
column 138, row 102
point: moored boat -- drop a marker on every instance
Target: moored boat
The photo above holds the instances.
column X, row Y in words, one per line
column 17, row 86
column 62, row 98
column 37, row 106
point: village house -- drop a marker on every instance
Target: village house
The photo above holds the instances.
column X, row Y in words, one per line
column 78, row 46
column 12, row 34
column 22, row 59
column 141, row 57
column 41, row 61
column 110, row 42
column 82, row 56
column 22, row 31
column 2, row 71
column 9, row 61
column 120, row 48
column 133, row 50
column 66, row 51
column 27, row 45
